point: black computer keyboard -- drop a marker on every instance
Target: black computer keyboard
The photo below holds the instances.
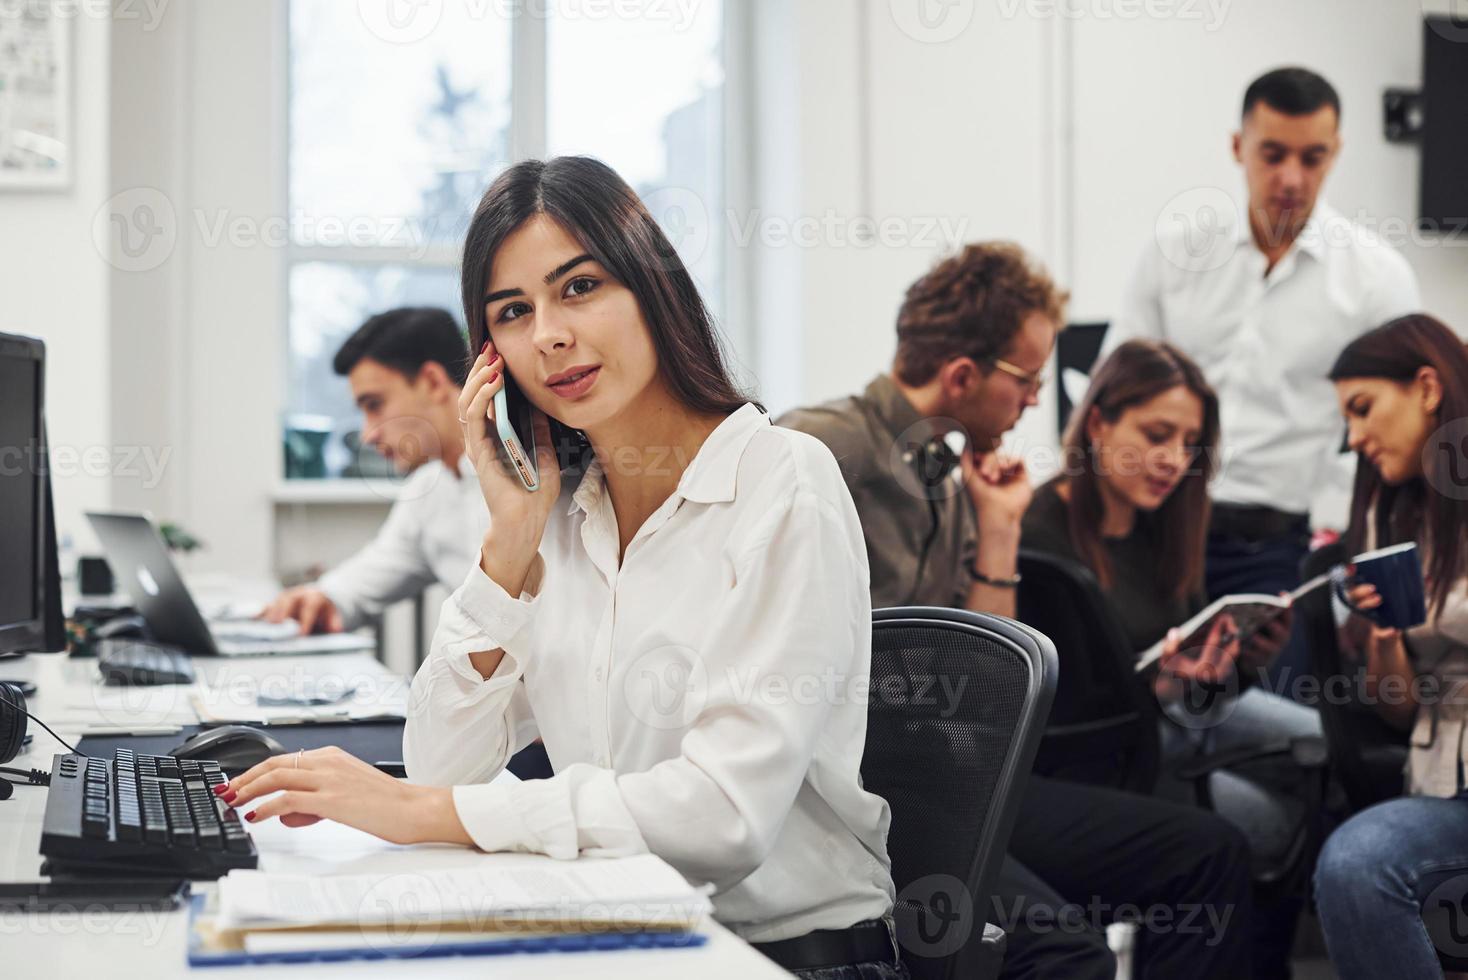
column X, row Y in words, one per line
column 141, row 813
column 129, row 661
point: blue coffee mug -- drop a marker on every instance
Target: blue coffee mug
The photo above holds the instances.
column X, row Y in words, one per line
column 1396, row 572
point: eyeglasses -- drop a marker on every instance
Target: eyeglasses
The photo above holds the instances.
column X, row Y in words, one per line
column 1033, row 381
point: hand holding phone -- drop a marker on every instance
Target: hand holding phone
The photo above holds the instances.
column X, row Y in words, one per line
column 517, row 513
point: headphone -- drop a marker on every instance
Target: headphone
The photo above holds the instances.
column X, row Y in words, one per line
column 931, row 462
column 12, row 721
column 12, row 729
column 13, row 717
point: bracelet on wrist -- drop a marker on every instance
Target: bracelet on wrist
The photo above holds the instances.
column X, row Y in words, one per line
column 989, row 580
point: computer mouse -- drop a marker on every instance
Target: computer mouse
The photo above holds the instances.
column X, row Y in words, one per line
column 131, row 626
column 235, row 747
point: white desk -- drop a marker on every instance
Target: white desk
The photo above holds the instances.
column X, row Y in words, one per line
column 152, row 944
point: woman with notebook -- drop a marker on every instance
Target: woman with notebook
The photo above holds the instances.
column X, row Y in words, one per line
column 658, row 553
column 1131, row 504
column 1403, row 389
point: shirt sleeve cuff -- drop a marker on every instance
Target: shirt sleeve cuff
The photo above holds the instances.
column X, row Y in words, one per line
column 350, row 612
column 496, row 620
column 517, row 817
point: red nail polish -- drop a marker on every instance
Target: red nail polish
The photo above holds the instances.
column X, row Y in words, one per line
column 493, row 378
column 250, row 816
column 221, row 789
column 229, row 797
column 485, row 347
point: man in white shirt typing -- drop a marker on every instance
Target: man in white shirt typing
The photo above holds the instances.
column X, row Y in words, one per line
column 1264, row 301
column 406, row 368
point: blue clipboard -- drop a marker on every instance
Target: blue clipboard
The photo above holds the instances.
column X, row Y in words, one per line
column 201, row 956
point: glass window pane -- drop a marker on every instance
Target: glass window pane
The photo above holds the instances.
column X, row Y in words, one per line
column 329, row 300
column 387, row 127
column 645, row 94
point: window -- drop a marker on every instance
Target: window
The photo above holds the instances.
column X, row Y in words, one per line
column 394, row 133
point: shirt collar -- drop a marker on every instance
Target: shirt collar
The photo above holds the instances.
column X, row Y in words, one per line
column 1312, row 237
column 893, row 410
column 710, row 477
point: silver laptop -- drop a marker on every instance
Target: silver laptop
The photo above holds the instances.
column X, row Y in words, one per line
column 143, row 569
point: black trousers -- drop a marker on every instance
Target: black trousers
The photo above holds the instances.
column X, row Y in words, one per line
column 1082, row 857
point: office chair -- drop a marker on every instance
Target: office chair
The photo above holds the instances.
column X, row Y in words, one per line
column 957, row 703
column 1367, row 755
column 1105, row 723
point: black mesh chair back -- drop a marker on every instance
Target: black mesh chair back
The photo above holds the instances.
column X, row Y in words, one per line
column 1103, row 726
column 1366, row 754
column 957, row 703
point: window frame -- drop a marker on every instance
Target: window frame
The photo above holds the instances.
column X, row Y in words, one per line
column 529, row 56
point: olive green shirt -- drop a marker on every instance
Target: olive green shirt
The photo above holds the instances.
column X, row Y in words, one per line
column 920, row 533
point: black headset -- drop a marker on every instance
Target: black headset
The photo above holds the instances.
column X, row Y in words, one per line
column 12, row 721
column 931, row 462
column 12, row 729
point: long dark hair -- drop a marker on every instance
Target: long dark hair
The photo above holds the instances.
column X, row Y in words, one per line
column 599, row 210
column 1395, row 352
column 1135, row 373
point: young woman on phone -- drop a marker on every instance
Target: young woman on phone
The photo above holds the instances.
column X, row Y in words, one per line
column 629, row 611
column 1403, row 389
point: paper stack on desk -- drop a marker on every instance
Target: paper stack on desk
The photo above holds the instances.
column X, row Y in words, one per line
column 480, row 907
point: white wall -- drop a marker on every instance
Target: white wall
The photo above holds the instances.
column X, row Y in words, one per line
column 54, row 286
column 1069, row 134
column 1066, row 135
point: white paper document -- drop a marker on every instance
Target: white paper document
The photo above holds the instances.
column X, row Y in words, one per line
column 483, row 896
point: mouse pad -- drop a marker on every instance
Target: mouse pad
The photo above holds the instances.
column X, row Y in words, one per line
column 371, row 741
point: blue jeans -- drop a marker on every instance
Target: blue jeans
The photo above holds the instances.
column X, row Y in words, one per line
column 1373, row 877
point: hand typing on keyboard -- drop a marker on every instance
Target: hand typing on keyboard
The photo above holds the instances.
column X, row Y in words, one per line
column 332, row 784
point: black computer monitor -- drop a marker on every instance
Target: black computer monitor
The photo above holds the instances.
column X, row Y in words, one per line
column 30, row 583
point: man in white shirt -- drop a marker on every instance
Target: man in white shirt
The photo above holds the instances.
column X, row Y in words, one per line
column 1264, row 303
column 406, row 368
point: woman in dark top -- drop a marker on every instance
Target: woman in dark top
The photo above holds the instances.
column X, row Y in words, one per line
column 1131, row 504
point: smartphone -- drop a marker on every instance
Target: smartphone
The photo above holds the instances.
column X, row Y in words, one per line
column 514, row 421
column 113, row 894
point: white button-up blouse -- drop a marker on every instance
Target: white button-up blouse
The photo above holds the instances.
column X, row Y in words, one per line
column 704, row 700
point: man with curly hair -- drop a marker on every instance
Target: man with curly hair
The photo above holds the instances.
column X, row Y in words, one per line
column 942, row 528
